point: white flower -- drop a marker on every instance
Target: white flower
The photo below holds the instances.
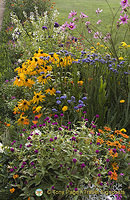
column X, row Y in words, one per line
column 1, row 148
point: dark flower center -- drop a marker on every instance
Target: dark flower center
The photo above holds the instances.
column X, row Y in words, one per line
column 37, row 96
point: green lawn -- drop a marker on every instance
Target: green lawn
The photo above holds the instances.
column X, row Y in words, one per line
column 86, row 6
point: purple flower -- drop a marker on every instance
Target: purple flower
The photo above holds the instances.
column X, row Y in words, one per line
column 97, row 116
column 75, row 150
column 97, row 151
column 56, row 25
column 114, row 150
column 32, row 163
column 44, row 27
column 83, row 165
column 36, row 151
column 124, row 19
column 98, row 143
column 54, row 110
column 99, row 175
column 71, row 183
column 109, row 173
column 74, row 160
column 85, row 112
column 80, row 153
column 72, row 14
column 51, row 139
column 11, row 170
column 73, row 138
column 24, row 129
column 20, row 146
column 60, row 129
column 12, row 149
column 97, row 35
column 61, row 165
column 55, row 138
column 52, row 187
column 61, row 114
column 101, row 183
column 76, row 189
column 55, row 116
column 22, row 166
column 15, row 167
column 24, row 163
column 29, row 138
column 98, row 134
column 107, row 160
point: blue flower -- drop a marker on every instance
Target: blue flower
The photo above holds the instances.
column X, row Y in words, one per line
column 63, row 97
column 84, row 98
column 69, row 101
column 73, row 98
column 44, row 27
column 58, row 102
column 54, row 110
column 58, row 92
column 81, row 102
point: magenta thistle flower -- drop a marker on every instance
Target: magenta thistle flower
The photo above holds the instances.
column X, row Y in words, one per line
column 83, row 165
column 99, row 175
column 97, row 151
column 71, row 26
column 12, row 149
column 72, row 14
column 51, row 139
column 83, row 15
column 74, row 160
column 11, row 170
column 52, row 187
column 124, row 19
column 76, row 189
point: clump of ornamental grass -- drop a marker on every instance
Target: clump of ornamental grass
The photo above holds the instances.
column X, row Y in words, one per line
column 54, row 157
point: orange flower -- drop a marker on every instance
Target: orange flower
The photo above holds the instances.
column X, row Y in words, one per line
column 80, row 83
column 117, row 144
column 100, row 140
column 15, row 176
column 107, row 128
column 115, row 166
column 117, row 132
column 100, row 131
column 123, row 146
column 29, row 198
column 125, row 136
column 35, row 122
column 120, row 140
column 38, row 116
column 8, row 125
column 114, row 175
column 109, row 143
column 114, row 155
column 12, row 190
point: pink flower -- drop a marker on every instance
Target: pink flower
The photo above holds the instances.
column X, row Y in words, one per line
column 75, row 19
column 72, row 13
column 71, row 26
column 87, row 23
column 124, row 19
column 63, row 27
column 99, row 11
column 83, row 15
column 124, row 3
column 97, row 35
column 99, row 21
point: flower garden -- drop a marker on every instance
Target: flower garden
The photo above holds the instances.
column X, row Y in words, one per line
column 64, row 102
